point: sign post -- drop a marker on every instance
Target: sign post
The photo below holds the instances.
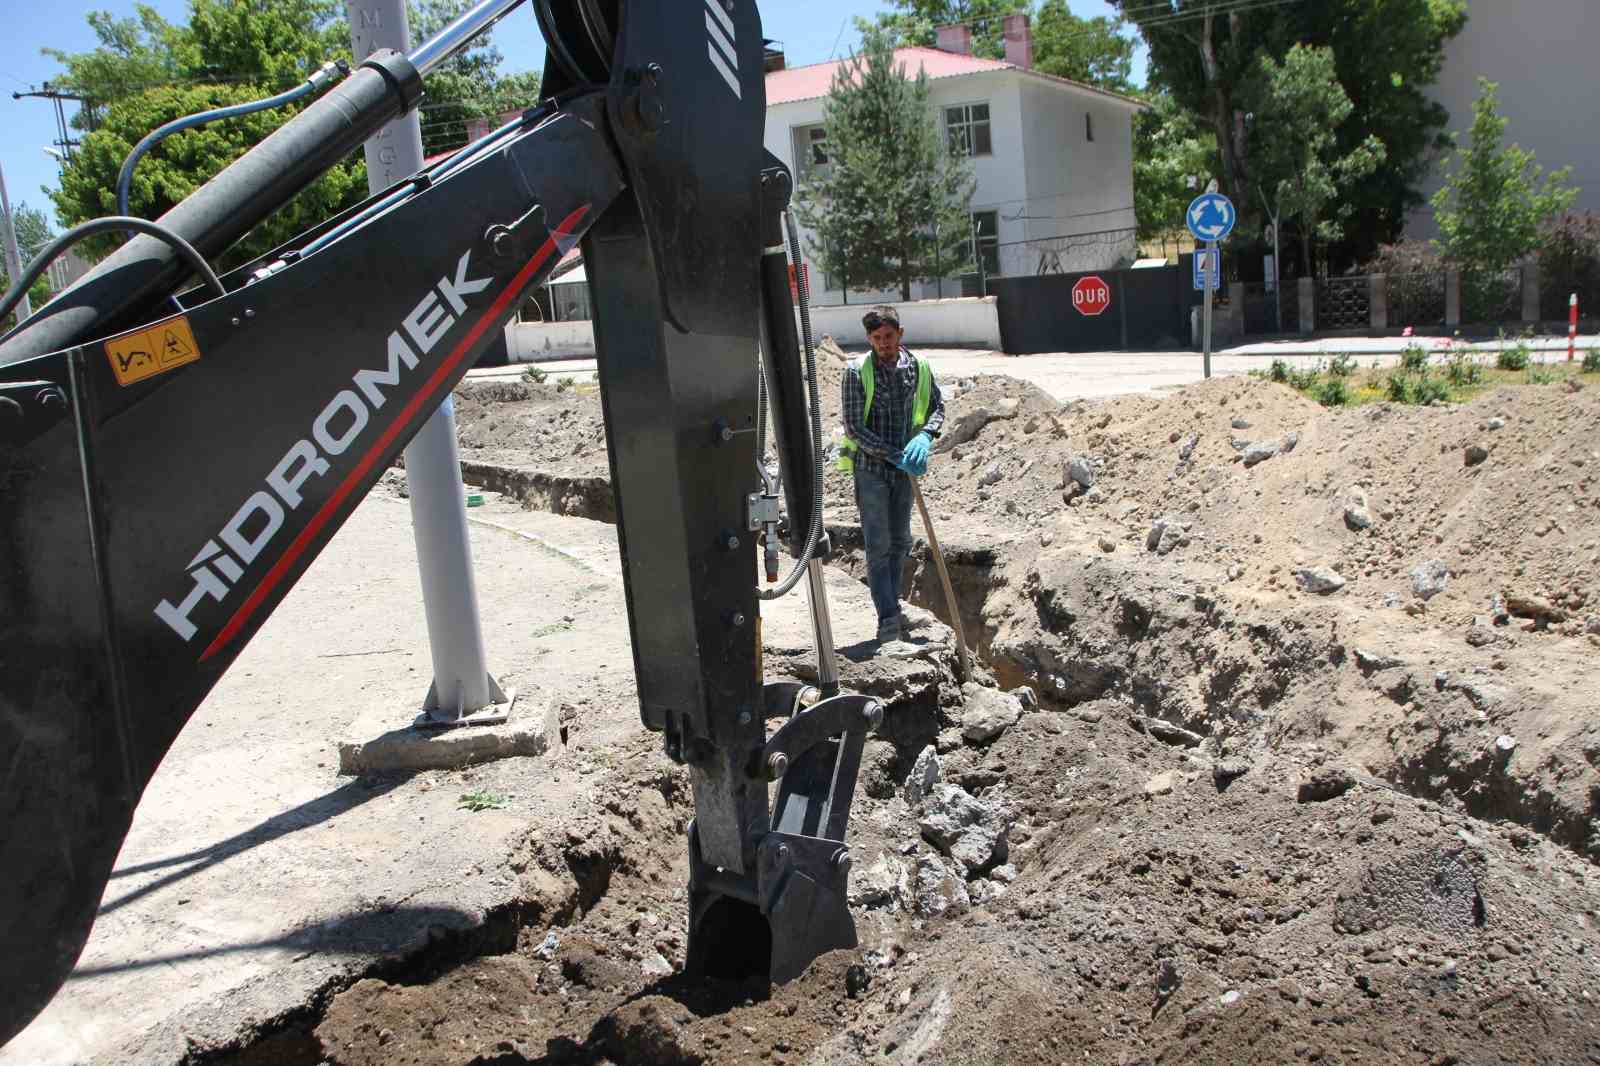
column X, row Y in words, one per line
column 1210, row 219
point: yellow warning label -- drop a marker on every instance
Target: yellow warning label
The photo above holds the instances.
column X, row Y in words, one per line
column 153, row 350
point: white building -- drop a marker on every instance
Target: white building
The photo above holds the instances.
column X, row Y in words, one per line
column 1052, row 158
column 1542, row 55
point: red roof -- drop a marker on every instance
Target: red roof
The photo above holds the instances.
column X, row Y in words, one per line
column 814, row 81
column 806, row 83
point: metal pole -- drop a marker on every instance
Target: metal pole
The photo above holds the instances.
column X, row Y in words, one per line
column 1572, row 318
column 1209, row 276
column 13, row 256
column 462, row 689
column 822, row 630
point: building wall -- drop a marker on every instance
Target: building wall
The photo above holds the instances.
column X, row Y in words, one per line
column 1020, row 110
column 1074, row 185
column 1541, row 52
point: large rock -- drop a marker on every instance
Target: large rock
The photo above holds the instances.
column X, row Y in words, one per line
column 1260, row 452
column 989, row 712
column 1081, row 471
column 938, row 889
column 1430, row 578
column 925, row 773
column 886, row 883
column 1320, row 579
column 970, row 830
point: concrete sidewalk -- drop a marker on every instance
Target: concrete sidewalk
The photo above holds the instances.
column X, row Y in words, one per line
column 1097, row 375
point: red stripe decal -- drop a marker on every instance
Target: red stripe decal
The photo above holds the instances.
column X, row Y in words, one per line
column 423, row 397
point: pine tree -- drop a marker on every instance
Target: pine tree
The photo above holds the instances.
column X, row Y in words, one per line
column 890, row 207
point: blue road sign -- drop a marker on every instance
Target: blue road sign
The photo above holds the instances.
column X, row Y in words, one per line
column 1210, row 217
column 1207, row 262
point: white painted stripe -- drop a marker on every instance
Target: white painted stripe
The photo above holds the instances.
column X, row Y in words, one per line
column 715, row 7
column 717, row 39
column 722, row 68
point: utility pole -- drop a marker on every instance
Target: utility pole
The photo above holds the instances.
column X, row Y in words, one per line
column 13, row 256
column 463, row 692
column 64, row 139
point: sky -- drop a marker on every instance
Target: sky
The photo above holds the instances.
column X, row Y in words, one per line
column 810, row 32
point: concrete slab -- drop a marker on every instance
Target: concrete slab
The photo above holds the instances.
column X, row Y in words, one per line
column 531, row 730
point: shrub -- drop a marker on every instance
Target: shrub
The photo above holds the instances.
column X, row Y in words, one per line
column 563, row 384
column 1431, row 390
column 1397, row 387
column 1414, row 357
column 1304, row 379
column 1333, row 393
column 1419, row 390
column 1463, row 369
column 1541, row 375
column 535, row 375
column 1342, row 366
column 1278, row 371
column 1591, row 361
column 1513, row 358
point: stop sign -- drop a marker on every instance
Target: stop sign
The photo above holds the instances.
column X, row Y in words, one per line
column 1090, row 295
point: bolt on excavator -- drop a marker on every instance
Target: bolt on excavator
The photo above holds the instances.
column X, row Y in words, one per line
column 176, row 447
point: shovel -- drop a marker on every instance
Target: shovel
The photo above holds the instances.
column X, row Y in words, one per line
column 944, row 577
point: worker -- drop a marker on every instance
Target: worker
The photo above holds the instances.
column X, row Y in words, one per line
column 892, row 413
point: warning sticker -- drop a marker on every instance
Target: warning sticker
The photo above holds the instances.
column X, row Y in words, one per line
column 153, row 350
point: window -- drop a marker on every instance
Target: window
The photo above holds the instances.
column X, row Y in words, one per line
column 1088, row 126
column 967, row 126
column 810, row 150
column 986, row 234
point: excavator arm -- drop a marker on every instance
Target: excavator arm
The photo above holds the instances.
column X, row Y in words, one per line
column 171, row 462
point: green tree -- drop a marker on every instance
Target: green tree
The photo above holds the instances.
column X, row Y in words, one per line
column 1090, row 50
column 1299, row 109
column 891, row 205
column 1493, row 201
column 33, row 233
column 1170, row 149
column 1386, row 53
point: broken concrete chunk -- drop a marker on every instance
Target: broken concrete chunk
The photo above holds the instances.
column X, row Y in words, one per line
column 1430, row 578
column 1161, row 784
column 1081, row 470
column 1372, row 661
column 886, row 882
column 1320, row 579
column 938, row 890
column 989, row 712
column 991, row 475
column 980, row 848
column 1325, row 783
column 1259, row 452
column 1007, row 408
column 1166, row 732
column 925, row 773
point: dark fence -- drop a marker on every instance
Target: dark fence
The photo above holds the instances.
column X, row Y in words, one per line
column 1556, row 291
column 1344, row 303
column 1262, row 307
column 1149, row 309
column 1417, row 299
column 1492, row 297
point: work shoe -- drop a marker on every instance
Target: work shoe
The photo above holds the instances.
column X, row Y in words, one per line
column 888, row 629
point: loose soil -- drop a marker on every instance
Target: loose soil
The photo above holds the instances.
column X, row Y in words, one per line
column 1248, row 821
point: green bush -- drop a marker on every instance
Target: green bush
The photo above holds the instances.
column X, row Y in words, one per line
column 1278, row 371
column 1342, row 366
column 1513, row 358
column 1591, row 361
column 1414, row 357
column 1333, row 393
column 1463, row 369
column 1304, row 379
column 1418, row 390
column 535, row 375
column 563, row 384
column 1541, row 375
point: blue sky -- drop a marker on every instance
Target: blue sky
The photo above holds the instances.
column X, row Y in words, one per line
column 810, row 32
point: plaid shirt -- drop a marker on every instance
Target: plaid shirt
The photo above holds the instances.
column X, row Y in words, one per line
column 882, row 433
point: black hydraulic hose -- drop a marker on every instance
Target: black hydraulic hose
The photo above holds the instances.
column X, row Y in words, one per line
column 327, row 73
column 121, row 223
column 814, row 536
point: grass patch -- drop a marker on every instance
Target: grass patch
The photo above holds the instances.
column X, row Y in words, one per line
column 1591, row 361
column 551, row 629
column 535, row 375
column 482, row 800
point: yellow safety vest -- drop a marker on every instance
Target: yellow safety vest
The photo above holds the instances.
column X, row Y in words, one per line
column 919, row 404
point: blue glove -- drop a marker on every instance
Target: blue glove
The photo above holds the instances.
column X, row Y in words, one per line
column 914, row 460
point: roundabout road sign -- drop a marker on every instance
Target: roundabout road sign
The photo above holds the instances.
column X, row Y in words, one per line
column 1211, row 217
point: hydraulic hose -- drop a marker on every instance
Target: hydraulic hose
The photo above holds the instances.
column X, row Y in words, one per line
column 327, row 74
column 814, row 536
column 53, row 250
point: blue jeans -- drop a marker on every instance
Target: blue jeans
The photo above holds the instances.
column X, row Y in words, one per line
column 884, row 500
